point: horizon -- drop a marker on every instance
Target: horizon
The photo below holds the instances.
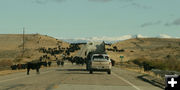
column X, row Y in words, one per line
column 108, row 40
column 90, row 18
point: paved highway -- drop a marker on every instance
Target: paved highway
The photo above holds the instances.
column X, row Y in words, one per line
column 81, row 52
column 73, row 77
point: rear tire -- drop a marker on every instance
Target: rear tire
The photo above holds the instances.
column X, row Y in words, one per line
column 91, row 72
column 109, row 72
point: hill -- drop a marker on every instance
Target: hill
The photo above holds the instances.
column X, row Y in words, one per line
column 149, row 48
column 11, row 46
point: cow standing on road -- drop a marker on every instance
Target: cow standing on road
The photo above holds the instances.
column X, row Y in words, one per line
column 49, row 63
column 62, row 63
column 44, row 63
column 19, row 66
column 14, row 67
column 58, row 62
column 33, row 65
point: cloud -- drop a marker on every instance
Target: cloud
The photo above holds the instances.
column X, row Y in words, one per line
column 137, row 5
column 139, row 36
column 46, row 1
column 164, row 36
column 133, row 4
column 112, row 39
column 151, row 23
column 174, row 23
column 104, row 38
column 58, row 0
column 109, row 0
column 99, row 0
column 40, row 1
column 126, row 0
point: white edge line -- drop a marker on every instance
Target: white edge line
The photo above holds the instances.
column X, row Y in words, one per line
column 126, row 81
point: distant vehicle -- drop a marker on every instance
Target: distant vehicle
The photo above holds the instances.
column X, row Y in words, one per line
column 93, row 48
column 100, row 62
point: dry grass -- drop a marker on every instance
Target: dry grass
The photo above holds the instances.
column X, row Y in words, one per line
column 4, row 63
column 141, row 70
column 11, row 49
column 161, row 53
column 11, row 46
column 172, row 64
column 150, row 48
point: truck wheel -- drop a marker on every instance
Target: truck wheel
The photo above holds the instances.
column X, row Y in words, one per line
column 109, row 72
column 87, row 68
column 91, row 72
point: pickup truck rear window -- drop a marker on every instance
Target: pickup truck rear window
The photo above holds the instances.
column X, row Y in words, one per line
column 98, row 57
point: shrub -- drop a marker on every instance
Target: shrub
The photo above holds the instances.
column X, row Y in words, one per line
column 169, row 64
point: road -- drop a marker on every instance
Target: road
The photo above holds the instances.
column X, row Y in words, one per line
column 81, row 52
column 74, row 77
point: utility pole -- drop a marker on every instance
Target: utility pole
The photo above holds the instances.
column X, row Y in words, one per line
column 23, row 42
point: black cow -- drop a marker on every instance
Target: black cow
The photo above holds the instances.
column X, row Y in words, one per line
column 58, row 62
column 14, row 67
column 23, row 66
column 79, row 60
column 44, row 63
column 62, row 63
column 113, row 62
column 33, row 65
column 49, row 63
column 122, row 50
column 19, row 66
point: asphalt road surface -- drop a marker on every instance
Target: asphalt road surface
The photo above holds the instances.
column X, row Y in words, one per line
column 74, row 77
column 82, row 51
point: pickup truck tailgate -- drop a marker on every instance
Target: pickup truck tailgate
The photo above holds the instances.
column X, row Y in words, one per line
column 101, row 64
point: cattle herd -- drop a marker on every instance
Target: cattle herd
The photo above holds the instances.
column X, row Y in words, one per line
column 37, row 64
column 77, row 60
column 72, row 48
column 19, row 66
column 34, row 65
column 46, row 61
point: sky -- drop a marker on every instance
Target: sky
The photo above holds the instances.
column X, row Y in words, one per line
column 90, row 18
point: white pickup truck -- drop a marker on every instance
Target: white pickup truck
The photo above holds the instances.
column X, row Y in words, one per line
column 100, row 62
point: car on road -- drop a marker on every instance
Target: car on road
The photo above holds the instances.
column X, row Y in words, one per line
column 100, row 62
